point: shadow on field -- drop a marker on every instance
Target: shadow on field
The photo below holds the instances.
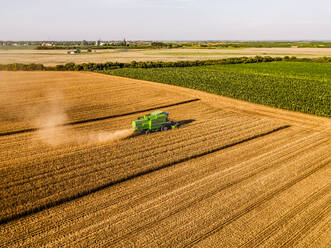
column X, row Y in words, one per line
column 184, row 122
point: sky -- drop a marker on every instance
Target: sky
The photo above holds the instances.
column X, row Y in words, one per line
column 165, row 19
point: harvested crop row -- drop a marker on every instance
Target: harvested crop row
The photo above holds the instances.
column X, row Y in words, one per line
column 50, row 179
column 318, row 235
column 298, row 221
column 156, row 208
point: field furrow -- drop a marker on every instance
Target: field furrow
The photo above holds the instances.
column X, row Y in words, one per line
column 286, row 218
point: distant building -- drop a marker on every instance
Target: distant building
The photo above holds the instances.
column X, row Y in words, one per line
column 98, row 43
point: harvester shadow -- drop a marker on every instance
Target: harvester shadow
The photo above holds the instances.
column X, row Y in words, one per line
column 184, row 122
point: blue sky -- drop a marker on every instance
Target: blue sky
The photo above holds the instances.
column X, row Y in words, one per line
column 165, row 20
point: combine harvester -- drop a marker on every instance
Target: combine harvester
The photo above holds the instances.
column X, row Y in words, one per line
column 156, row 121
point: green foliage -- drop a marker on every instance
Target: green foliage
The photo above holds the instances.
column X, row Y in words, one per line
column 276, row 84
column 154, row 64
column 305, row 70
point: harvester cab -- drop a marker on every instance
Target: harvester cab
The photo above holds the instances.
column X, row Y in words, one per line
column 156, row 121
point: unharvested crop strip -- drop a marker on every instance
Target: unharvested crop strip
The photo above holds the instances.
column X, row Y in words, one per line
column 84, row 193
column 29, row 130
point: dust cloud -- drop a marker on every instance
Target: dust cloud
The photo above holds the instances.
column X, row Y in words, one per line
column 52, row 130
column 45, row 107
column 49, row 118
column 103, row 137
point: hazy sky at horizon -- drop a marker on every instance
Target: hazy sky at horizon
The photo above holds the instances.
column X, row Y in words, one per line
column 165, row 20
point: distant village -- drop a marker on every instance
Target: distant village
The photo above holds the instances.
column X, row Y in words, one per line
column 63, row 43
column 75, row 47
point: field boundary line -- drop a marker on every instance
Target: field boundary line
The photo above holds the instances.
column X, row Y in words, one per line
column 85, row 193
column 30, row 130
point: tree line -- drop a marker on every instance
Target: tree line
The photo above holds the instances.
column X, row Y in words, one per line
column 153, row 64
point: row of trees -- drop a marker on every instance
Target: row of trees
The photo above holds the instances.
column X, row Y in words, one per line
column 158, row 64
column 153, row 64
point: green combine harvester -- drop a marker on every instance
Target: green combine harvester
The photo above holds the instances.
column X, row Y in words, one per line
column 156, row 121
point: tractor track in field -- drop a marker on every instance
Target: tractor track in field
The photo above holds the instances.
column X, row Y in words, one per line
column 275, row 226
column 259, row 202
column 73, row 123
column 324, row 211
column 84, row 193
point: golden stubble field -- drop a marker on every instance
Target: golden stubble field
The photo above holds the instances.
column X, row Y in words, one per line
column 236, row 174
column 54, row 57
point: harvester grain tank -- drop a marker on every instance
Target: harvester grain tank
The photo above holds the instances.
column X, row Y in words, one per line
column 156, row 121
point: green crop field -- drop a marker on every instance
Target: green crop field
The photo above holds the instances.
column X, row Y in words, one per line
column 297, row 86
column 197, row 53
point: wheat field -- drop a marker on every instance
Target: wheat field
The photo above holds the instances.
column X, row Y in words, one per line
column 235, row 173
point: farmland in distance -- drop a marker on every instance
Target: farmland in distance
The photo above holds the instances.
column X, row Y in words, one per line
column 54, row 57
column 234, row 172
